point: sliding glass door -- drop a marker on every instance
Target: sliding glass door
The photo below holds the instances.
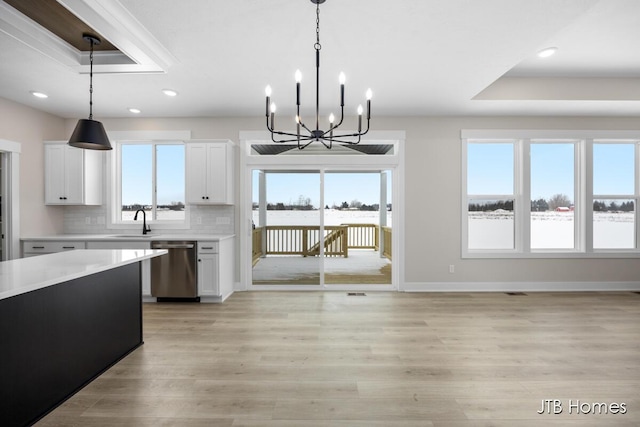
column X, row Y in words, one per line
column 286, row 228
column 314, row 228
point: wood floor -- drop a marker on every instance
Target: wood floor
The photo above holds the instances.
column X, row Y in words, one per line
column 384, row 359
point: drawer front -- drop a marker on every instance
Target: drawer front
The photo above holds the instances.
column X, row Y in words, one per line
column 52, row 246
column 207, row 247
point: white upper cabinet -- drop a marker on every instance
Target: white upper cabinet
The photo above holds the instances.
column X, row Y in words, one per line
column 73, row 176
column 210, row 173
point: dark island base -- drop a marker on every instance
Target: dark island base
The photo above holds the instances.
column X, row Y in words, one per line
column 58, row 339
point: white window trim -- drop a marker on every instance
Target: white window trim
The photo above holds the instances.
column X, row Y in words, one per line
column 583, row 198
column 113, row 181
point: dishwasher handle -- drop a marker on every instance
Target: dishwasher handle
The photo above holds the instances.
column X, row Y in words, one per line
column 160, row 246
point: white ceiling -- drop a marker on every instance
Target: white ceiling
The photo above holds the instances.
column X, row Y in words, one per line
column 420, row 57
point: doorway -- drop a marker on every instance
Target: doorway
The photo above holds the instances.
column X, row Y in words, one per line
column 320, row 219
column 9, row 200
column 314, row 228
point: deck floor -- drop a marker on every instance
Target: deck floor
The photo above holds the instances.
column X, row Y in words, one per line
column 362, row 266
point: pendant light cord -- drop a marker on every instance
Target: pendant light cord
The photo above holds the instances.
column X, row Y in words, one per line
column 91, row 82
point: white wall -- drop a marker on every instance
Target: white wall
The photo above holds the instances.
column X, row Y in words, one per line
column 433, row 173
column 30, row 127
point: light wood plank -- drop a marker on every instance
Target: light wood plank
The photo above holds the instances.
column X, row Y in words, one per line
column 388, row 359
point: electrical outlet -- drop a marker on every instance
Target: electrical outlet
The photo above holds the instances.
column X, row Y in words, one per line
column 199, row 220
column 87, row 220
column 452, row 268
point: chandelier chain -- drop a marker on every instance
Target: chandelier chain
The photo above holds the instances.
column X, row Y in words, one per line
column 317, row 46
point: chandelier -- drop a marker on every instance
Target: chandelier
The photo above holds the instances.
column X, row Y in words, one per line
column 328, row 137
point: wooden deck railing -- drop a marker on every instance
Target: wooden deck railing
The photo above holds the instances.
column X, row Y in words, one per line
column 363, row 236
column 386, row 241
column 305, row 240
column 257, row 244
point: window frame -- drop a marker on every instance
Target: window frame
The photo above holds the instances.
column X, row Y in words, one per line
column 115, row 199
column 635, row 196
column 583, row 141
column 466, row 198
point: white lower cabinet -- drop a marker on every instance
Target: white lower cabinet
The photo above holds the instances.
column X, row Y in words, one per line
column 215, row 270
column 208, row 280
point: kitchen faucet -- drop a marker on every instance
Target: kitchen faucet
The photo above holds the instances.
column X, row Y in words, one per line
column 145, row 227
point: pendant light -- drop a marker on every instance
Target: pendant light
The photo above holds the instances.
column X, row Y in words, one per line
column 89, row 133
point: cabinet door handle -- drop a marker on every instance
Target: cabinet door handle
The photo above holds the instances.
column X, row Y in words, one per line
column 207, row 247
column 199, row 260
column 38, row 247
column 68, row 247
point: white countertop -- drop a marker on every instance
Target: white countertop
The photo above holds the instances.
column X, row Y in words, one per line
column 131, row 237
column 24, row 275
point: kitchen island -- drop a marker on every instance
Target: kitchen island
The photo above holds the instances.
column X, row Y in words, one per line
column 64, row 319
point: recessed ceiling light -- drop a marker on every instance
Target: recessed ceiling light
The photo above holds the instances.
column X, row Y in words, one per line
column 39, row 94
column 545, row 53
column 169, row 92
column 134, row 110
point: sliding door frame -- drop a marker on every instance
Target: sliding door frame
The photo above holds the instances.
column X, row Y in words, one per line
column 323, row 163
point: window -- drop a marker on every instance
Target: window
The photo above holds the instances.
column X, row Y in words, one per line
column 152, row 178
column 614, row 198
column 552, row 195
column 533, row 196
column 490, row 183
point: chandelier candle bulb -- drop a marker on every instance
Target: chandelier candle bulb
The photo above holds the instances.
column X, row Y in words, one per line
column 342, row 79
column 298, row 77
column 273, row 114
column 267, row 91
column 359, row 118
column 369, row 94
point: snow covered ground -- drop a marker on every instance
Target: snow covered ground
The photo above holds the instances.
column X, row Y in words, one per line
column 550, row 230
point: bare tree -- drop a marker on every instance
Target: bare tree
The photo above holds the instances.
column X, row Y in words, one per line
column 559, row 201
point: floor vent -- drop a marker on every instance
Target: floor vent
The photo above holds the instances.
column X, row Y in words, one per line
column 356, row 294
column 515, row 293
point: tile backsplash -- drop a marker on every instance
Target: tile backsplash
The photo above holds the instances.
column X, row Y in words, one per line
column 203, row 220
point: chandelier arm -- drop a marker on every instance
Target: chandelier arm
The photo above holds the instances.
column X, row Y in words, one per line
column 338, row 141
column 305, row 126
column 334, row 127
column 322, row 140
column 351, row 135
column 293, row 139
column 277, row 132
column 300, row 147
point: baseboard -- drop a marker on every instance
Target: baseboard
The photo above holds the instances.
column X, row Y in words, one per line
column 519, row 286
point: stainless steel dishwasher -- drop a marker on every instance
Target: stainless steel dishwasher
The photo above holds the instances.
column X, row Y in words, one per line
column 173, row 276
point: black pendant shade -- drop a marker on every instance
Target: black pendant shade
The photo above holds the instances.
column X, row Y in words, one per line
column 90, row 134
